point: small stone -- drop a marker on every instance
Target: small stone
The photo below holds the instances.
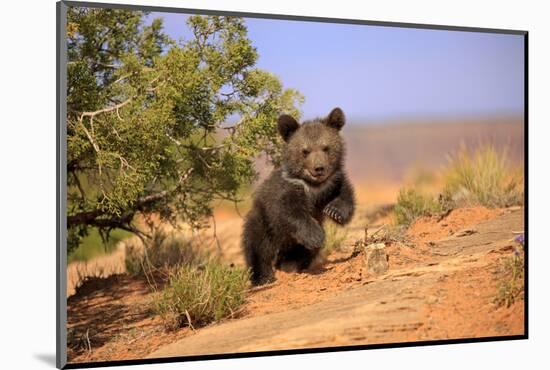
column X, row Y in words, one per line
column 432, row 299
column 376, row 258
column 465, row 232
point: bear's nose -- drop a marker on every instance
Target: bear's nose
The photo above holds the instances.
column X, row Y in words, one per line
column 319, row 170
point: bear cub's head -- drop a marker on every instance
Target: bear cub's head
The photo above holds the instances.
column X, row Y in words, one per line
column 314, row 150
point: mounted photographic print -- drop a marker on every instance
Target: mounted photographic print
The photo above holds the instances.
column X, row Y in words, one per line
column 237, row 185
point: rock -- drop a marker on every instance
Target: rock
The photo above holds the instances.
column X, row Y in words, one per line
column 376, row 258
column 465, row 232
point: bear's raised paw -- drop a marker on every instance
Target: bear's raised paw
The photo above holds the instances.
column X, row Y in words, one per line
column 334, row 214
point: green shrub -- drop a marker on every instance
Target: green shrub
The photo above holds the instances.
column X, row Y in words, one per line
column 484, row 177
column 412, row 204
column 196, row 296
column 165, row 250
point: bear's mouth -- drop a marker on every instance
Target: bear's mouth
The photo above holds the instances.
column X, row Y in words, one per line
column 316, row 178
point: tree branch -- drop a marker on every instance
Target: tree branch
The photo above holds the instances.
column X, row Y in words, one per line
column 105, row 110
column 97, row 216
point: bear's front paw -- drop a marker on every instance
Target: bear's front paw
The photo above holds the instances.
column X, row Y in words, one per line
column 334, row 214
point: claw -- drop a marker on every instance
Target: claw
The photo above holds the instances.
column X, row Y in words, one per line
column 334, row 214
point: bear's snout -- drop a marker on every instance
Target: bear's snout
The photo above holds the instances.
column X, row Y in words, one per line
column 317, row 166
column 319, row 170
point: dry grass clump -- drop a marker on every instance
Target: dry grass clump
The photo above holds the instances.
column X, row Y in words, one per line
column 511, row 287
column 511, row 273
column 484, row 177
column 198, row 295
column 334, row 237
column 198, row 290
column 165, row 250
column 412, row 204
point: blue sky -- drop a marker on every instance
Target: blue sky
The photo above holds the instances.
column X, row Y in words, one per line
column 385, row 73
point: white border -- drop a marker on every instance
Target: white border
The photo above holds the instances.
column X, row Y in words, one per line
column 28, row 186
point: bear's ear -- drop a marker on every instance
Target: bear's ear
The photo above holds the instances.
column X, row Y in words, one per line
column 336, row 118
column 287, row 125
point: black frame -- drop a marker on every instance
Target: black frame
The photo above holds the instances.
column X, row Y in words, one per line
column 61, row 176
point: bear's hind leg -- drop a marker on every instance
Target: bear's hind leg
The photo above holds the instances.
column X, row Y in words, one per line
column 259, row 251
column 261, row 263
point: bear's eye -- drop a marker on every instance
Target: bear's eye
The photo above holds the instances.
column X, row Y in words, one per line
column 325, row 149
column 305, row 152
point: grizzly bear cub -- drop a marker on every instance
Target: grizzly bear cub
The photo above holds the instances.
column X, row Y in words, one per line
column 285, row 222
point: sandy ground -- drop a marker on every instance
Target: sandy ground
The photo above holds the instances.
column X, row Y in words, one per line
column 440, row 285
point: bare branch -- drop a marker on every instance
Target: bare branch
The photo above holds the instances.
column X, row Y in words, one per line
column 218, row 244
column 90, row 137
column 122, row 78
column 105, row 110
column 191, row 147
column 120, row 118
